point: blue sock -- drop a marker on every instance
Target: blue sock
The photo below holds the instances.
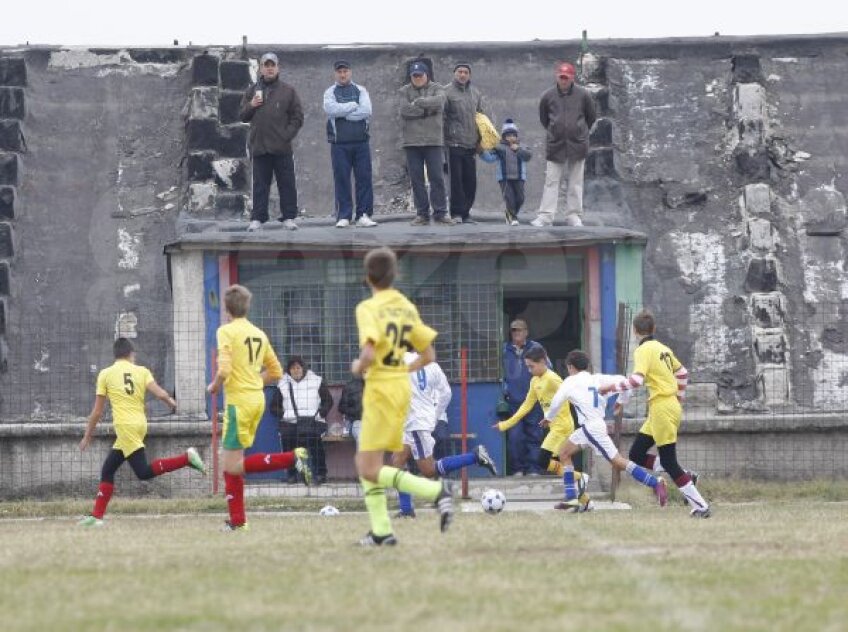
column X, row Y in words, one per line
column 405, row 501
column 453, row 463
column 568, row 481
column 641, row 474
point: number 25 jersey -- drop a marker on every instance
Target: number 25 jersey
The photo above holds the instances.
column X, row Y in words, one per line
column 391, row 323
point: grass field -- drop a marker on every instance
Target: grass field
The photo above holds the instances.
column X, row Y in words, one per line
column 778, row 564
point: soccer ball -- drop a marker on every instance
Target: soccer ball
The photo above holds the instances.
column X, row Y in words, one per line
column 329, row 510
column 493, row 501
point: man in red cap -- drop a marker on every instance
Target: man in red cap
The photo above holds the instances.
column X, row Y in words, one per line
column 567, row 112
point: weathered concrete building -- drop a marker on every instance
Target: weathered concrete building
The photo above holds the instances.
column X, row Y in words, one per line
column 714, row 196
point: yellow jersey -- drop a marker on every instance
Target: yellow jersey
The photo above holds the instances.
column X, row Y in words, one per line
column 391, row 323
column 243, row 351
column 658, row 364
column 125, row 385
column 542, row 390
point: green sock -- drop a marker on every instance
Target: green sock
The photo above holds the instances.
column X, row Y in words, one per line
column 378, row 511
column 403, row 481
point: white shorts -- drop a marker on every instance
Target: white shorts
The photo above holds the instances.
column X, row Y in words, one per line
column 421, row 442
column 596, row 437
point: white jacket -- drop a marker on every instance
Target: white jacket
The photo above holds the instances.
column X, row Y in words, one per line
column 305, row 393
column 431, row 395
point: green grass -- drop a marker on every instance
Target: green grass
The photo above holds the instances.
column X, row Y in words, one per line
column 777, row 565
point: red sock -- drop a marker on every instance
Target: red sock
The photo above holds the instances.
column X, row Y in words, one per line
column 650, row 459
column 683, row 479
column 268, row 462
column 161, row 466
column 104, row 493
column 234, row 486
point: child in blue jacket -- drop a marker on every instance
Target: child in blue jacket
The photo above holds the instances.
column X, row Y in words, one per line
column 511, row 158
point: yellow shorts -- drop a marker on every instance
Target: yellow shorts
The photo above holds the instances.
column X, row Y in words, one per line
column 557, row 436
column 130, row 436
column 240, row 423
column 385, row 405
column 664, row 415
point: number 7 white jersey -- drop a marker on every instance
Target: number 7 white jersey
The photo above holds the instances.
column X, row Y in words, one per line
column 583, row 391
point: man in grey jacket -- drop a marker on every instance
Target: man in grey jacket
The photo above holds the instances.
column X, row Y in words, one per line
column 462, row 138
column 422, row 112
column 567, row 112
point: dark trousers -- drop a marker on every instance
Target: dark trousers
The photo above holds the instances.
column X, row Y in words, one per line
column 137, row 460
column 463, row 180
column 265, row 168
column 356, row 158
column 311, row 440
column 433, row 157
column 525, row 441
column 513, row 195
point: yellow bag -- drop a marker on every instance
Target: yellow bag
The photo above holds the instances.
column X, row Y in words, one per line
column 489, row 136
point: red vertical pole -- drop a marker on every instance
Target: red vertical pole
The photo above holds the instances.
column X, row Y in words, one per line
column 463, row 405
column 214, row 409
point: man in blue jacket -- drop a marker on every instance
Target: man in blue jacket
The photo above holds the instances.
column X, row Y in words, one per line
column 525, row 438
column 348, row 108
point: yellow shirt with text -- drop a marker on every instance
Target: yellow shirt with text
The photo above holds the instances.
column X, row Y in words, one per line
column 243, row 351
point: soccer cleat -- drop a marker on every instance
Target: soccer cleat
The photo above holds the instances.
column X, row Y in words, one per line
column 484, row 460
column 661, row 492
column 229, row 526
column 91, row 521
column 701, row 513
column 343, row 223
column 301, row 464
column 366, row 222
column 195, row 462
column 575, row 506
column 444, row 504
column 371, row 540
column 405, row 515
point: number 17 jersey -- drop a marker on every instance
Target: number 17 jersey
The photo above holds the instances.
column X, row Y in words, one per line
column 391, row 323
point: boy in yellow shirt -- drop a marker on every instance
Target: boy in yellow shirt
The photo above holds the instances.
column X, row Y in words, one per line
column 246, row 364
column 389, row 326
column 124, row 385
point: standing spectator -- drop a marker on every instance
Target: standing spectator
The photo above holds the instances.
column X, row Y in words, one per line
column 301, row 402
column 422, row 115
column 350, row 404
column 273, row 109
column 525, row 438
column 348, row 108
column 511, row 158
column 462, row 138
column 567, row 112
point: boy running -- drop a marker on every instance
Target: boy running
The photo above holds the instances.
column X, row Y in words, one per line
column 389, row 325
column 665, row 378
column 125, row 384
column 246, row 363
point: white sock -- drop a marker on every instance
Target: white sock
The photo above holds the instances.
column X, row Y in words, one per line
column 693, row 496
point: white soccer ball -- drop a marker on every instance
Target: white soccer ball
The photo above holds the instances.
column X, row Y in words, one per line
column 493, row 501
column 329, row 510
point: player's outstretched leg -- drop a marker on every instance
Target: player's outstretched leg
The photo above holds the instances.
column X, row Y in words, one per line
column 485, row 460
column 656, row 483
column 439, row 493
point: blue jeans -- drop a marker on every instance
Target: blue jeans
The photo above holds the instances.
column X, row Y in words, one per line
column 355, row 157
column 525, row 440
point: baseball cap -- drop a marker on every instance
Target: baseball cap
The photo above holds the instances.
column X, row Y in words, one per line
column 269, row 57
column 418, row 68
column 566, row 70
column 517, row 324
column 341, row 63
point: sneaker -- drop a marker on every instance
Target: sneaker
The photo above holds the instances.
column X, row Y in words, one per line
column 444, row 220
column 229, row 526
column 91, row 521
column 254, row 225
column 701, row 513
column 420, row 220
column 573, row 219
column 371, row 540
column 661, row 492
column 301, row 464
column 514, row 222
column 343, row 223
column 484, row 460
column 541, row 223
column 444, row 503
column 289, row 224
column 468, row 220
column 195, row 462
column 403, row 515
column 366, row 222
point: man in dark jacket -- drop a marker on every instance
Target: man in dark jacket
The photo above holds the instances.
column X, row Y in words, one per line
column 273, row 109
column 462, row 138
column 567, row 112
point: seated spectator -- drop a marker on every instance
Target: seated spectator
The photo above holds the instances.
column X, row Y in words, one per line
column 301, row 402
column 350, row 405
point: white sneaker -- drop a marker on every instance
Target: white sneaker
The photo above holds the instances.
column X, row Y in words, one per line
column 365, row 222
column 514, row 222
column 540, row 223
column 343, row 223
column 289, row 224
column 254, row 225
column 573, row 219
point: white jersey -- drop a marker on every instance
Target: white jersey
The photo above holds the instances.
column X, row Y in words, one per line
column 582, row 390
column 431, row 394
